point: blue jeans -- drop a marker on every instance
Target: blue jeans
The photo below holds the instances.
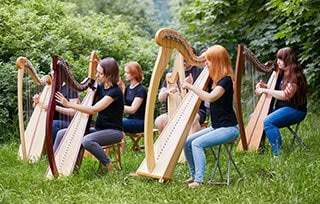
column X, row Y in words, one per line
column 58, row 125
column 132, row 125
column 280, row 118
column 196, row 143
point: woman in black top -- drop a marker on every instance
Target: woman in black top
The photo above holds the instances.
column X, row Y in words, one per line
column 108, row 105
column 223, row 119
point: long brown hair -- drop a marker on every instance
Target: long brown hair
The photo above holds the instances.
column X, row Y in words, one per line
column 295, row 75
column 110, row 69
column 220, row 63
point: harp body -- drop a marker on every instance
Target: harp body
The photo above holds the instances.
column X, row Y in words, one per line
column 63, row 162
column 33, row 137
column 251, row 135
column 162, row 156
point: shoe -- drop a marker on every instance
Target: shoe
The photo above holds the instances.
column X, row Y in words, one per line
column 189, row 180
column 195, row 184
column 107, row 167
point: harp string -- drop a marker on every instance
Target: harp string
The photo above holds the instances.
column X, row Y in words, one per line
column 249, row 70
column 32, row 138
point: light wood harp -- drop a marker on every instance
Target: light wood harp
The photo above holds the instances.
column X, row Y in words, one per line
column 33, row 137
column 63, row 161
column 162, row 156
column 251, row 135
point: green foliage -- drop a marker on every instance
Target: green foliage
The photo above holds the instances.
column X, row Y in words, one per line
column 38, row 29
column 263, row 26
column 137, row 13
column 292, row 178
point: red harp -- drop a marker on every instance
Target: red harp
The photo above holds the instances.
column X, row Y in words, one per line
column 62, row 74
column 252, row 134
column 33, row 137
column 162, row 156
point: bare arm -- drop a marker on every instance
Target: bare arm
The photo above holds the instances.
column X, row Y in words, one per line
column 99, row 106
column 214, row 95
column 68, row 111
column 286, row 94
column 137, row 101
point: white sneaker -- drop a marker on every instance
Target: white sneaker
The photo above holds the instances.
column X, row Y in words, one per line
column 195, row 184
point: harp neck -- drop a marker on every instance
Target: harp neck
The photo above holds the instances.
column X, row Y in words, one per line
column 169, row 38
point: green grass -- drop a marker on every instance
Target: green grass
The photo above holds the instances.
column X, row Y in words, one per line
column 292, row 178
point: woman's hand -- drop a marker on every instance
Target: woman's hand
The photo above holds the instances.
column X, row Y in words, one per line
column 259, row 91
column 260, row 84
column 36, row 98
column 62, row 100
column 187, row 83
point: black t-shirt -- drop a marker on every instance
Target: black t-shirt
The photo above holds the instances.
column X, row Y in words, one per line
column 222, row 112
column 140, row 92
column 68, row 93
column 110, row 117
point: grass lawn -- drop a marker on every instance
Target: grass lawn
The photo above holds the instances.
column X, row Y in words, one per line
column 292, row 178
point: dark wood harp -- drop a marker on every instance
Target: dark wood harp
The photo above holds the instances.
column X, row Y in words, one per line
column 62, row 163
column 162, row 156
column 33, row 137
column 251, row 135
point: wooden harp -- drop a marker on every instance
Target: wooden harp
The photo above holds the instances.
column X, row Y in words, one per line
column 33, row 137
column 251, row 135
column 62, row 73
column 162, row 156
column 172, row 79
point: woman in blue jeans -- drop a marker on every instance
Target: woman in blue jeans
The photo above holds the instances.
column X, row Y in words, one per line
column 135, row 98
column 223, row 119
column 290, row 94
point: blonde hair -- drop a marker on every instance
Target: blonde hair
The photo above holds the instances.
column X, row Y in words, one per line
column 220, row 63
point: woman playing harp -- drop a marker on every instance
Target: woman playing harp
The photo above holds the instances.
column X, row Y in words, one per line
column 109, row 106
column 291, row 97
column 224, row 126
column 32, row 138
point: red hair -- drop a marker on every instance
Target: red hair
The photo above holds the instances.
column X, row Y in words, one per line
column 134, row 68
column 220, row 63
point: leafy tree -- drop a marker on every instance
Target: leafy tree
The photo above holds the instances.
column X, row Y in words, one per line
column 138, row 14
column 263, row 26
column 38, row 29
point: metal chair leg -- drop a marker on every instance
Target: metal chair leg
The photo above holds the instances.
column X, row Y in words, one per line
column 295, row 136
column 217, row 165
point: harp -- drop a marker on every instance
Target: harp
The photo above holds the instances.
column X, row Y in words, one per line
column 63, row 161
column 172, row 80
column 33, row 137
column 252, row 134
column 162, row 156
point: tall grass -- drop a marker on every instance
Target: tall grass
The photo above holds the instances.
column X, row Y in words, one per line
column 292, row 178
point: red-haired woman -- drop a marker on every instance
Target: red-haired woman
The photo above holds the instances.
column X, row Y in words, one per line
column 135, row 98
column 223, row 119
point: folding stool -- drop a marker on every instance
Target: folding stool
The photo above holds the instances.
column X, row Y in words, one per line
column 216, row 154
